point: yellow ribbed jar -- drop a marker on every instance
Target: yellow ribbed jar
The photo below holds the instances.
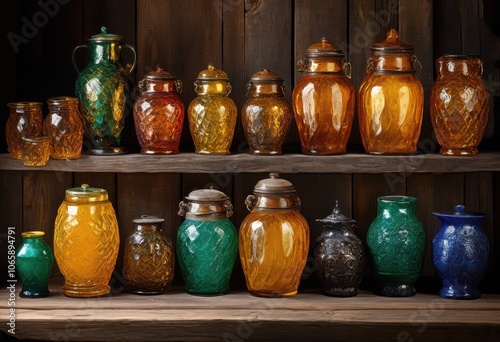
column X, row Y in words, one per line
column 86, row 241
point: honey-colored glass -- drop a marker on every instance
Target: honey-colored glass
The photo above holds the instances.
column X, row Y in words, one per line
column 36, row 151
column 460, row 102
column 323, row 100
column 86, row 241
column 212, row 114
column 273, row 240
column 159, row 113
column 266, row 115
column 25, row 120
column 148, row 260
column 64, row 126
column 391, row 99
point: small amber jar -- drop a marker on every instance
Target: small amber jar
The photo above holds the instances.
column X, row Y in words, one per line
column 391, row 99
column 460, row 103
column 159, row 113
column 273, row 239
column 323, row 100
column 25, row 121
column 212, row 114
column 148, row 259
column 64, row 126
column 36, row 151
column 266, row 115
column 86, row 241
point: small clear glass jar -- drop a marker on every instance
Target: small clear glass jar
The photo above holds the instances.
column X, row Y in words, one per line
column 25, row 121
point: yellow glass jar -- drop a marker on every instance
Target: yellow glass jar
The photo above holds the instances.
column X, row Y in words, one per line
column 86, row 241
column 273, row 239
column 212, row 114
column 25, row 121
column 391, row 99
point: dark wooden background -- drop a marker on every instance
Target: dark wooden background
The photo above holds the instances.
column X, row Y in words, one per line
column 242, row 37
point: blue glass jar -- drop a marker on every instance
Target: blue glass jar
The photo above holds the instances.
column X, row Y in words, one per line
column 207, row 242
column 460, row 252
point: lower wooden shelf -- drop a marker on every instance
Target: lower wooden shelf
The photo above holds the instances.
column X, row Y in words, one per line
column 238, row 316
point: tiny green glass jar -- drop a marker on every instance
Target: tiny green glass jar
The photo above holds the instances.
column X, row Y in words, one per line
column 34, row 260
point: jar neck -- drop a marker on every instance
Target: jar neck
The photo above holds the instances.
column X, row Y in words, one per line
column 275, row 89
column 461, row 65
column 221, row 88
column 150, row 86
column 147, row 227
column 396, row 205
column 33, row 240
column 323, row 65
column 25, row 107
column 276, row 201
column 104, row 52
column 391, row 63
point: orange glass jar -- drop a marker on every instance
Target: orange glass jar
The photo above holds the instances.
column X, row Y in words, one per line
column 25, row 121
column 159, row 113
column 273, row 239
column 86, row 241
column 391, row 99
column 323, row 100
column 266, row 115
column 212, row 114
column 64, row 126
column 460, row 103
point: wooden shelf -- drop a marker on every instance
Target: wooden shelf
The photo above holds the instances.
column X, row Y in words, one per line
column 238, row 316
column 287, row 163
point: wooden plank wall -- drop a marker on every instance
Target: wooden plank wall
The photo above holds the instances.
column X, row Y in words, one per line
column 242, row 37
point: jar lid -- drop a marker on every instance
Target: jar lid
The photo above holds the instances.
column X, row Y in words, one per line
column 207, row 195
column 104, row 35
column 392, row 44
column 336, row 217
column 33, row 234
column 86, row 194
column 459, row 212
column 266, row 75
column 274, row 184
column 212, row 73
column 206, row 204
column 60, row 100
column 147, row 219
column 324, row 49
column 159, row 75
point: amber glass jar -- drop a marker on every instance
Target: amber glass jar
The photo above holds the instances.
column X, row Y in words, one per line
column 266, row 115
column 273, row 239
column 391, row 99
column 460, row 102
column 212, row 114
column 148, row 259
column 25, row 121
column 86, row 241
column 64, row 126
column 159, row 113
column 323, row 100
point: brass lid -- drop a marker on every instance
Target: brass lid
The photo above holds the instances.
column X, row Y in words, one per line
column 147, row 219
column 324, row 49
column 86, row 194
column 206, row 204
column 212, row 74
column 61, row 100
column 159, row 75
column 105, row 36
column 336, row 217
column 266, row 75
column 274, row 185
column 392, row 44
column 32, row 234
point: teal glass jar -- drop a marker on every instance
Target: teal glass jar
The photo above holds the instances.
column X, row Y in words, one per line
column 207, row 242
column 34, row 259
column 396, row 240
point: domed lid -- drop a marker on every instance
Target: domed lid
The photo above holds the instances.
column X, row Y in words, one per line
column 274, row 184
column 211, row 73
column 210, row 195
column 266, row 75
column 459, row 212
column 86, row 194
column 324, row 49
column 336, row 217
column 104, row 35
column 159, row 75
column 392, row 44
column 146, row 219
column 206, row 204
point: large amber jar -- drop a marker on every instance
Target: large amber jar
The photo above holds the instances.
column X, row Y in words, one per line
column 266, row 115
column 391, row 99
column 273, row 239
column 64, row 126
column 25, row 121
column 212, row 114
column 148, row 259
column 460, row 103
column 159, row 113
column 86, row 241
column 323, row 100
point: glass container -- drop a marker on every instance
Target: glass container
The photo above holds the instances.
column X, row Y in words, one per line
column 273, row 239
column 159, row 113
column 25, row 121
column 36, row 151
column 148, row 260
column 34, row 259
column 391, row 99
column 207, row 242
column 396, row 240
column 212, row 114
column 86, row 241
column 323, row 100
column 64, row 126
column 460, row 103
column 266, row 115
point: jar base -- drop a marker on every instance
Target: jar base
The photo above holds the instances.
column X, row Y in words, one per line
column 272, row 294
column 34, row 294
column 322, row 153
column 66, row 158
column 399, row 290
column 157, row 151
column 205, row 293
column 459, row 293
column 340, row 292
column 106, row 151
column 85, row 291
column 391, row 153
column 467, row 151
column 212, row 152
column 264, row 152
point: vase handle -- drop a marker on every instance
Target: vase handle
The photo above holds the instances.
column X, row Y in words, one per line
column 250, row 202
column 73, row 57
column 135, row 57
